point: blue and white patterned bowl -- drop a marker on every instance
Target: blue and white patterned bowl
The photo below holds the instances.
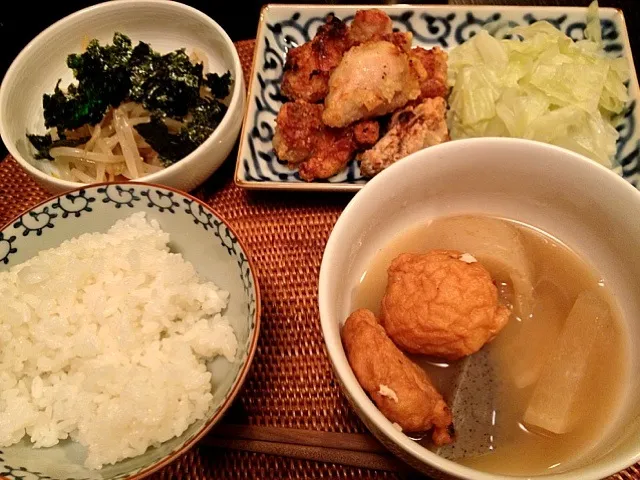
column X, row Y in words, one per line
column 283, row 27
column 204, row 239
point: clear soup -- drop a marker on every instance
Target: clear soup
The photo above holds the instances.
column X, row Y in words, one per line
column 489, row 392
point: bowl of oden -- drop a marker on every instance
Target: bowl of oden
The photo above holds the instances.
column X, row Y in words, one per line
column 132, row 90
column 130, row 316
column 479, row 303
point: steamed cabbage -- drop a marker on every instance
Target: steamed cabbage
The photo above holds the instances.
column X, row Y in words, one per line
column 540, row 85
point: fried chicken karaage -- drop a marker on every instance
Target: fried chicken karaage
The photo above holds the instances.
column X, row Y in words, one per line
column 373, row 25
column 321, row 152
column 346, row 77
column 410, row 129
column 373, row 79
column 367, row 132
column 442, row 303
column 298, row 125
column 400, row 389
column 308, row 66
column 434, row 62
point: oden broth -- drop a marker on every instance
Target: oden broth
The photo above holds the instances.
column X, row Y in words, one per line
column 499, row 439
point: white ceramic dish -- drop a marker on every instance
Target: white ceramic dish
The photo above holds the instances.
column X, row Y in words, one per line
column 167, row 26
column 205, row 240
column 586, row 206
column 283, row 27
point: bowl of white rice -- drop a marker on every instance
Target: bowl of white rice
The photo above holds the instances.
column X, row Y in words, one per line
column 130, row 316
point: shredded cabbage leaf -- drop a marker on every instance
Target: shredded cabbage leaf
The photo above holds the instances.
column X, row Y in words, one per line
column 540, row 85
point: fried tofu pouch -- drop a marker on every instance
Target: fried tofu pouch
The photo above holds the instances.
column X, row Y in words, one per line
column 399, row 388
column 442, row 304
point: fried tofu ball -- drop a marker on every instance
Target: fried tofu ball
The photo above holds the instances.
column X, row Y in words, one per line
column 442, row 303
column 399, row 388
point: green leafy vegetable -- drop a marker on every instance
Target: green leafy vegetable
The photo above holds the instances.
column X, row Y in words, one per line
column 43, row 143
column 219, row 85
column 205, row 117
column 170, row 147
column 593, row 31
column 169, row 85
column 103, row 80
column 544, row 87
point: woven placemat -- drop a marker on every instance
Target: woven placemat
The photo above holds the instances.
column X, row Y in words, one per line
column 290, row 383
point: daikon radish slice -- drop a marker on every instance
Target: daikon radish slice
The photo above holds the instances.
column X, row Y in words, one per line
column 552, row 403
column 497, row 245
column 530, row 347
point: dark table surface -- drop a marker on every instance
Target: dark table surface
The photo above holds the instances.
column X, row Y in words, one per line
column 24, row 20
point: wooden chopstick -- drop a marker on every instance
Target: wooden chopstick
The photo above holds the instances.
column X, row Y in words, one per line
column 352, row 449
column 347, row 441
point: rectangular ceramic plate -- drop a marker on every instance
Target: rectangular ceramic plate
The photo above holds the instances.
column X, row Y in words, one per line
column 283, row 27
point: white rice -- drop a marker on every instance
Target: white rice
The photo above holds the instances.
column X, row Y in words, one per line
column 104, row 340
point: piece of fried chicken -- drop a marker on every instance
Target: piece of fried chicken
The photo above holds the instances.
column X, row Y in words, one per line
column 372, row 79
column 410, row 129
column 399, row 388
column 434, row 62
column 308, row 66
column 321, row 152
column 373, row 25
column 441, row 303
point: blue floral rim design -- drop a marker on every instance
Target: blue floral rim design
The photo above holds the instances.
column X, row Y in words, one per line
column 75, row 203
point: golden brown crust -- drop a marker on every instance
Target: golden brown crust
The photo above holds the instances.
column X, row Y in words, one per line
column 400, row 389
column 411, row 129
column 434, row 62
column 366, row 132
column 373, row 79
column 361, row 71
column 297, row 127
column 437, row 304
column 308, row 67
column 334, row 148
column 302, row 139
column 374, row 25
column 371, row 24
